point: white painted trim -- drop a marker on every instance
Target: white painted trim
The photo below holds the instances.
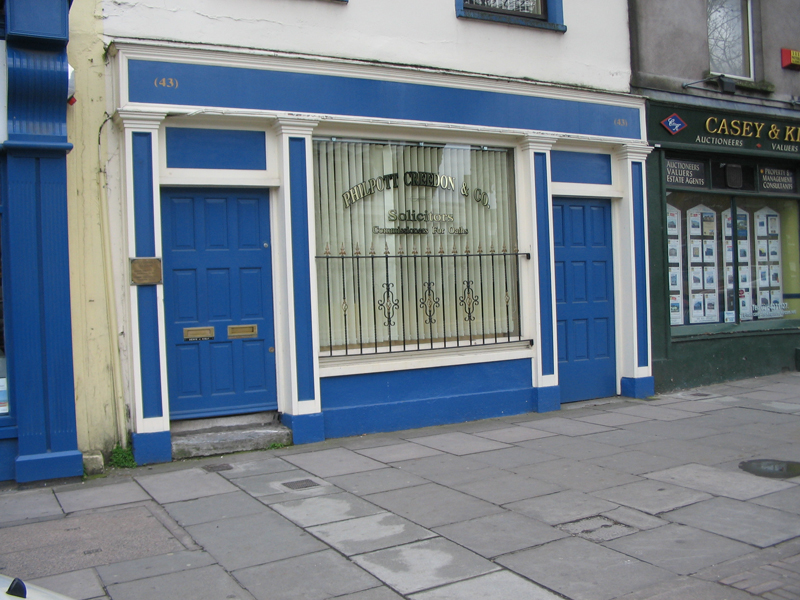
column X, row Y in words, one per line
column 283, row 270
column 247, row 58
column 145, row 122
column 586, row 190
column 404, row 361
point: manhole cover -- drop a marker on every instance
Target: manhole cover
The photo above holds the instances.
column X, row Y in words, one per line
column 217, row 468
column 778, row 469
column 300, row 484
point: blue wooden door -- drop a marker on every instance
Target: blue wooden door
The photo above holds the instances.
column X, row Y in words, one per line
column 584, row 299
column 218, row 302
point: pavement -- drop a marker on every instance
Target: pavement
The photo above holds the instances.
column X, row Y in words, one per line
column 612, row 498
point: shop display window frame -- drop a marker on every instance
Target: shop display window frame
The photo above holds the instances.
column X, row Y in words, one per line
column 714, row 188
column 405, row 288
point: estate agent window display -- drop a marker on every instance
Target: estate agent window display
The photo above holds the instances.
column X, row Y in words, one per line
column 416, row 246
column 734, row 256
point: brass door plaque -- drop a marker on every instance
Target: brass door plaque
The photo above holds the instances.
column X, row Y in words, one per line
column 146, row 271
column 198, row 334
column 236, row 332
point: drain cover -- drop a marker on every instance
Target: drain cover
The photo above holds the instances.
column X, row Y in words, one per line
column 778, row 469
column 300, row 484
column 217, row 468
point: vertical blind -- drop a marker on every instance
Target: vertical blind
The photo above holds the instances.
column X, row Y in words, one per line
column 412, row 245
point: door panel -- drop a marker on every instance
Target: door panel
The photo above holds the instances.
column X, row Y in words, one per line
column 584, row 299
column 217, row 273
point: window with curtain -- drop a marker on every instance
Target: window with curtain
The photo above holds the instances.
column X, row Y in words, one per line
column 416, row 246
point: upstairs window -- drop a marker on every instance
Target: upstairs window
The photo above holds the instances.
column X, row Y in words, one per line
column 729, row 37
column 544, row 14
column 534, row 9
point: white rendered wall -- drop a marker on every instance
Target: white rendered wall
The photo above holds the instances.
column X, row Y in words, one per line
column 593, row 52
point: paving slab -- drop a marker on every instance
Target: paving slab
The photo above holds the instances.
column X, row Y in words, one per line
column 612, row 419
column 325, row 509
column 459, row 443
column 510, row 435
column 686, row 588
column 214, row 508
column 787, row 500
column 583, row 570
column 189, row 484
column 31, row 504
column 259, row 466
column 743, row 521
column 740, row 486
column 507, row 488
column 597, row 529
column 634, row 518
column 366, row 534
column 659, row 413
column 569, row 427
column 623, row 438
column 571, row 447
column 447, row 469
column 372, row 482
column 272, row 486
column 652, row 497
column 83, row 541
column 688, row 451
column 577, row 475
column 336, row 461
column 432, row 505
column 204, row 583
column 561, row 507
column 378, row 593
column 253, row 540
column 399, row 452
column 314, row 576
column 680, row 429
column 79, row 585
column 423, row 565
column 678, row 548
column 152, row 566
column 634, row 462
column 100, row 496
column 500, row 534
column 501, row 585
column 512, row 458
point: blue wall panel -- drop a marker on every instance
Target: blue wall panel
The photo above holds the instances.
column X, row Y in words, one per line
column 189, row 148
column 301, row 262
column 146, row 298
column 545, row 271
column 204, row 85
column 37, row 22
column 580, row 167
column 639, row 225
column 357, row 404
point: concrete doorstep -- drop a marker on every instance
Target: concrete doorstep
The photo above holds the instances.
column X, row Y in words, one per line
column 225, row 435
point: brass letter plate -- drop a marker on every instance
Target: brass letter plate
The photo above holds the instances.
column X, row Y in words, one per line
column 198, row 334
column 236, row 332
column 146, row 271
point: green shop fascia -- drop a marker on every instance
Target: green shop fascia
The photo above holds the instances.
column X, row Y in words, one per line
column 724, row 227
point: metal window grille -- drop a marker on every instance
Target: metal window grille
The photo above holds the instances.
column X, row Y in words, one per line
column 399, row 302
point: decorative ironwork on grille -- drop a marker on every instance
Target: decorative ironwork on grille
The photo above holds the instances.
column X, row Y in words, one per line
column 403, row 301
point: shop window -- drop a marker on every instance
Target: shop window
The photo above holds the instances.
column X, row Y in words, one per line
column 729, row 37
column 416, row 246
column 733, row 259
column 545, row 14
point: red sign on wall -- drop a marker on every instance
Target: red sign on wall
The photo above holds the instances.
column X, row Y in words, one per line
column 790, row 59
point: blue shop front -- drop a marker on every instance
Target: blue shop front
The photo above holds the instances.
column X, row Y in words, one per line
column 366, row 248
column 38, row 437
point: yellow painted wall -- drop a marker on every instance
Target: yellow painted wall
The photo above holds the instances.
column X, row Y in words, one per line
column 99, row 404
